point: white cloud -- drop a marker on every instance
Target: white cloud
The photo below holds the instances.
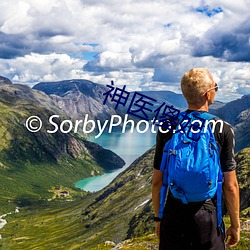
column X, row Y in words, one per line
column 35, row 68
column 143, row 44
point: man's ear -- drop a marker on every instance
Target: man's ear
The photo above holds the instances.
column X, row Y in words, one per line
column 207, row 95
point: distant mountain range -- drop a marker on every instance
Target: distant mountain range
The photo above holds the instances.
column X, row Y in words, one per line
column 79, row 97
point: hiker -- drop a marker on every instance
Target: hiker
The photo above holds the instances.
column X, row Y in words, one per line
column 188, row 224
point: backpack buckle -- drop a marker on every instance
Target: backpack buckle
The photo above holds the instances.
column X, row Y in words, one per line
column 172, row 152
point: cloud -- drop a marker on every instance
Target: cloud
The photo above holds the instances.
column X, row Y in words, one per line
column 143, row 44
column 34, row 68
column 231, row 45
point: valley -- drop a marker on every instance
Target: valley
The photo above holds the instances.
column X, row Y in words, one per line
column 38, row 172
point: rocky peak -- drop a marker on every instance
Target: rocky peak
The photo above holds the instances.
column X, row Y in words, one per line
column 4, row 80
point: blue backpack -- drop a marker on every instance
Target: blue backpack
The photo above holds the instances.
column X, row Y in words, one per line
column 191, row 162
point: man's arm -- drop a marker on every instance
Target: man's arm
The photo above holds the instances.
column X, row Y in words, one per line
column 156, row 187
column 232, row 200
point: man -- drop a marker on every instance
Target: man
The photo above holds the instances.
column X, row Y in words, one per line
column 194, row 225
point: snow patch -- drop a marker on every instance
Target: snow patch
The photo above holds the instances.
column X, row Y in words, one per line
column 142, row 204
column 143, row 186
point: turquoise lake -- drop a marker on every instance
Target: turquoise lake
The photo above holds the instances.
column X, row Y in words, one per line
column 129, row 146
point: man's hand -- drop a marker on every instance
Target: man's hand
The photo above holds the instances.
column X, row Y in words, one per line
column 232, row 236
column 156, row 187
column 232, row 200
column 157, row 228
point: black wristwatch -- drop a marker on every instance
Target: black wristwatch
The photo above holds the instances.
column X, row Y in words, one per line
column 157, row 219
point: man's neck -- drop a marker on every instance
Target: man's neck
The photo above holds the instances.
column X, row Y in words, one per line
column 198, row 107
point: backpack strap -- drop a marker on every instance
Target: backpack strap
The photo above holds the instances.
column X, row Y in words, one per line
column 164, row 188
column 219, row 200
column 209, row 117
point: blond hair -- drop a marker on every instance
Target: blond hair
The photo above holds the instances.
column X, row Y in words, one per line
column 195, row 83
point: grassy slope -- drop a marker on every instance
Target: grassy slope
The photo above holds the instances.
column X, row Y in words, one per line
column 60, row 225
column 48, row 226
column 57, row 226
column 27, row 170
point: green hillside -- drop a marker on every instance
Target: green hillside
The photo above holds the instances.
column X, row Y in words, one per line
column 31, row 164
column 123, row 210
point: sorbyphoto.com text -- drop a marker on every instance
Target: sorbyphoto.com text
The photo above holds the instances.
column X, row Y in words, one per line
column 116, row 122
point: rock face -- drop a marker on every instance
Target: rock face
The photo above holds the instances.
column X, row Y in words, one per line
column 106, row 158
column 80, row 97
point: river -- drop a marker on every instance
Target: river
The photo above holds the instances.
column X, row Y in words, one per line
column 128, row 146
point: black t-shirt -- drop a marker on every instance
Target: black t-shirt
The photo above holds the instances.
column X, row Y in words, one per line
column 224, row 135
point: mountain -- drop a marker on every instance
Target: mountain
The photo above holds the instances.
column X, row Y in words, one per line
column 242, row 130
column 34, row 165
column 80, row 97
column 125, row 206
column 232, row 110
column 216, row 105
column 237, row 113
column 106, row 215
column 4, row 80
column 31, row 164
column 169, row 97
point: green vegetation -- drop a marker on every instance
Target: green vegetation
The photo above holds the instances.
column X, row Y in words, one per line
column 49, row 225
column 57, row 225
column 32, row 163
column 150, row 242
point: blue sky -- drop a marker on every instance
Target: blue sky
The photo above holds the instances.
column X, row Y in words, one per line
column 144, row 44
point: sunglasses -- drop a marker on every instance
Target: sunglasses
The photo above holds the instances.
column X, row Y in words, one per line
column 216, row 87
